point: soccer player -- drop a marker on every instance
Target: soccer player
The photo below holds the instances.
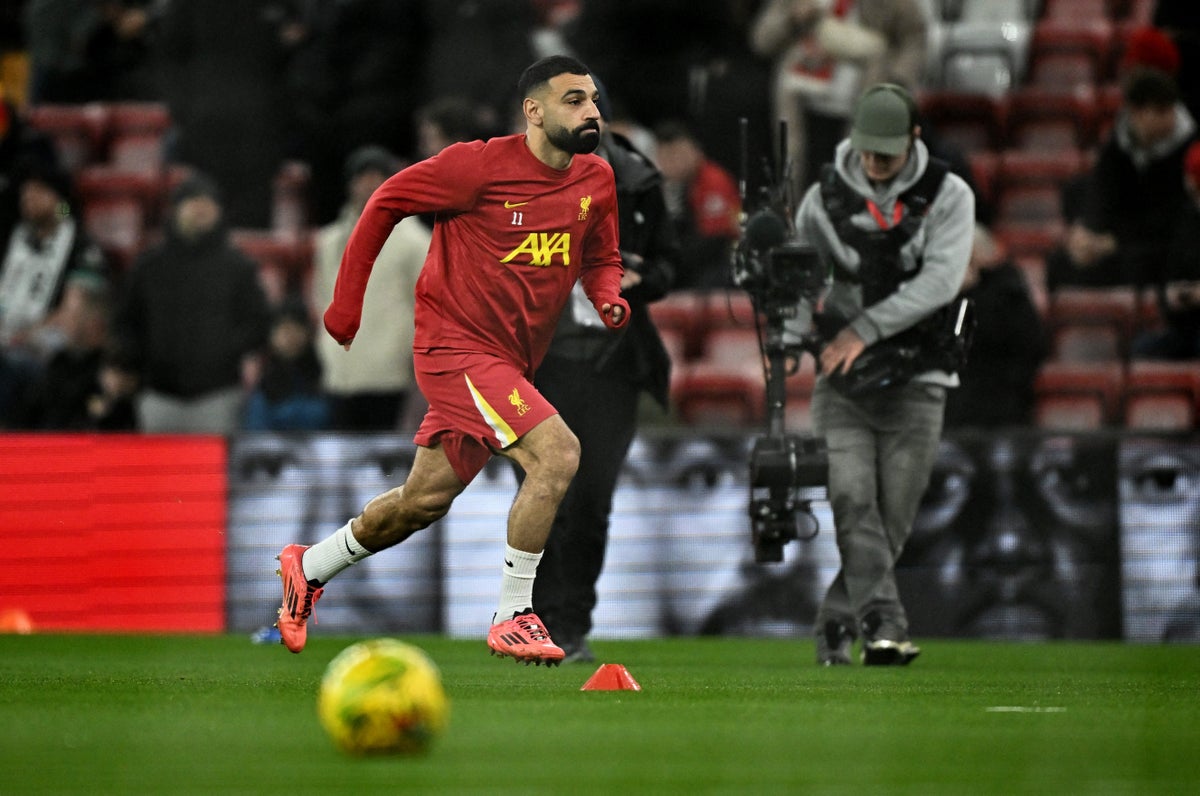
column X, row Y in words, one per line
column 518, row 220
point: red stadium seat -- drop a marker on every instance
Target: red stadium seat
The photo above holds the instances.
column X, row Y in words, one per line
column 708, row 395
column 118, row 225
column 78, row 131
column 1075, row 9
column 1162, row 395
column 1087, row 342
column 1159, row 412
column 1040, row 119
column 1092, row 324
column 282, row 260
column 973, row 122
column 682, row 312
column 1077, row 396
column 1090, row 37
column 142, row 118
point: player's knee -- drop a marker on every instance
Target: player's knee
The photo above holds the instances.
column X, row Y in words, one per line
column 426, row 509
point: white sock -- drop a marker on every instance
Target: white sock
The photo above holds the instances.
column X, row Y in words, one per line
column 516, row 585
column 333, row 554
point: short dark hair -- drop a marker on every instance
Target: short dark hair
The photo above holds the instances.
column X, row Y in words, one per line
column 1146, row 86
column 539, row 72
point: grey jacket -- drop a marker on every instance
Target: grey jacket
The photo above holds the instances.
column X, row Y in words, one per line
column 943, row 243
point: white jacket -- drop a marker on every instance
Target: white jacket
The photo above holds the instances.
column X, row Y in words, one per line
column 381, row 358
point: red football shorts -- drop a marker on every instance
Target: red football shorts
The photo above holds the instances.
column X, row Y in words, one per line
column 478, row 404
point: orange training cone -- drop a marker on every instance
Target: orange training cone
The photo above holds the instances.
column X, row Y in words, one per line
column 611, row 677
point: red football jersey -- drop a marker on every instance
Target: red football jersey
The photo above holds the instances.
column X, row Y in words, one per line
column 510, row 237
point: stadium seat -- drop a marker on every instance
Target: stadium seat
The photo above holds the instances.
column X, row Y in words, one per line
column 281, row 260
column 708, row 395
column 1092, row 38
column 117, row 224
column 1087, row 342
column 976, row 72
column 728, row 309
column 732, row 346
column 1159, row 412
column 1023, row 167
column 137, row 152
column 1164, row 395
column 1062, row 71
column 984, row 166
column 1075, row 9
column 682, row 312
column 1074, row 396
column 78, row 131
column 141, row 118
column 1052, row 121
column 989, row 10
column 1114, row 308
column 973, row 122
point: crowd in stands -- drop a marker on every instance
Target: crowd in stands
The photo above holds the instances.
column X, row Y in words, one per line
column 177, row 181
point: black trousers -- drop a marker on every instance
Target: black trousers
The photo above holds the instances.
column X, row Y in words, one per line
column 602, row 412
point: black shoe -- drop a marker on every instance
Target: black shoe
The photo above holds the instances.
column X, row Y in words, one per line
column 886, row 652
column 578, row 651
column 833, row 644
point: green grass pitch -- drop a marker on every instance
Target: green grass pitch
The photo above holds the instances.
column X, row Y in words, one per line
column 165, row 714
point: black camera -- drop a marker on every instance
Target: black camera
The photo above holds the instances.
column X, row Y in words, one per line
column 781, row 466
column 786, row 470
column 775, row 273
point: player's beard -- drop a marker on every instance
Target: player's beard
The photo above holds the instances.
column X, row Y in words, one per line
column 580, row 141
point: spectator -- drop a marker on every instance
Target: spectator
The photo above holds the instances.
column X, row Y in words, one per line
column 193, row 310
column 1178, row 292
column 62, row 396
column 1081, row 257
column 824, row 54
column 44, row 248
column 1008, row 347
column 371, row 385
column 703, row 202
column 1136, row 185
column 288, row 394
column 445, row 121
column 20, row 146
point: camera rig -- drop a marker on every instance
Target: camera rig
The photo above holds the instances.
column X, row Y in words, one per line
column 784, row 468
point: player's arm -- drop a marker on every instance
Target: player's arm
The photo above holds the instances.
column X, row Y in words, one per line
column 602, row 270
column 447, row 182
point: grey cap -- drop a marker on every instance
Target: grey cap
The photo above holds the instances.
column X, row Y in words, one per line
column 371, row 157
column 883, row 120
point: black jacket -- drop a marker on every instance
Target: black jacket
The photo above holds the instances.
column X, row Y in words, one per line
column 636, row 352
column 191, row 311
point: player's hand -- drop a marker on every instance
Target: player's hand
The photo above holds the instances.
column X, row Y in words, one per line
column 614, row 315
column 346, row 345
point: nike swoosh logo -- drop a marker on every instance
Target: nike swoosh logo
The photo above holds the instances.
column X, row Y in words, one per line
column 507, row 563
column 511, row 205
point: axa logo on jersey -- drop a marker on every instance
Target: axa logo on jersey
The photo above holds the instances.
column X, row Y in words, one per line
column 541, row 248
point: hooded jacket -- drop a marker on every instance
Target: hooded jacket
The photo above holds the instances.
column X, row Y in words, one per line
column 936, row 256
column 191, row 311
column 636, row 352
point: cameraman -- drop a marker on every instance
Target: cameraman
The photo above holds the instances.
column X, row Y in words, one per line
column 894, row 228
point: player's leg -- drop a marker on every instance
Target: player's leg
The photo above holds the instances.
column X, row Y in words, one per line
column 387, row 520
column 549, row 455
